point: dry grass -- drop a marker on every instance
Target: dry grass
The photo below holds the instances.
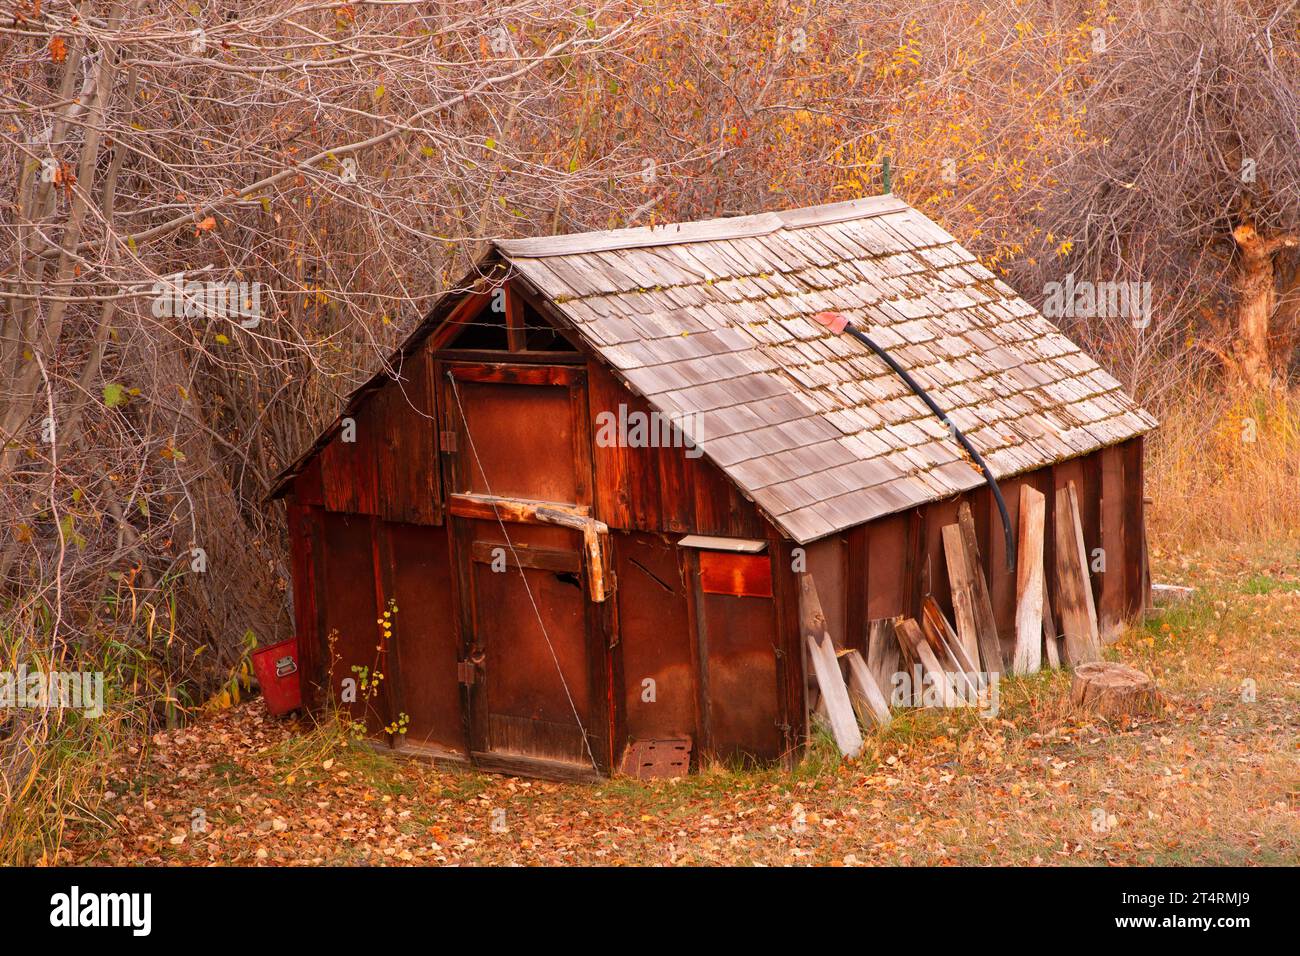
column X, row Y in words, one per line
column 1224, row 470
column 53, row 761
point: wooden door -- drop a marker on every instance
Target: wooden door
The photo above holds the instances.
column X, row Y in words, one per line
column 532, row 695
column 534, row 666
column 520, row 432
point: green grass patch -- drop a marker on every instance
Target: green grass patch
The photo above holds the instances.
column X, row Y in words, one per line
column 1267, row 584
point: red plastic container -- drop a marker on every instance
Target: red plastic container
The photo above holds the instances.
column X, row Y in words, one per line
column 276, row 669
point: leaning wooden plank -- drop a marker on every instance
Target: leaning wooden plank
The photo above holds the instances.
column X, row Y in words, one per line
column 811, row 621
column 864, row 692
column 839, row 709
column 907, row 694
column 948, row 650
column 963, row 588
column 1028, row 657
column 883, row 653
column 826, row 669
column 985, row 620
column 1051, row 643
column 1078, row 615
column 909, row 631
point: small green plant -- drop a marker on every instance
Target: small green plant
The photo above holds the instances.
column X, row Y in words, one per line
column 369, row 677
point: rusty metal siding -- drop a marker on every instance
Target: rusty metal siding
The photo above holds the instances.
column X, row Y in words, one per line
column 738, row 643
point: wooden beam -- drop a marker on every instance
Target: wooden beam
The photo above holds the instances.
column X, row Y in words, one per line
column 492, row 507
column 1078, row 615
column 909, row 632
column 1051, row 642
column 986, row 623
column 516, row 334
column 961, row 668
column 1029, row 582
column 519, row 555
column 595, row 534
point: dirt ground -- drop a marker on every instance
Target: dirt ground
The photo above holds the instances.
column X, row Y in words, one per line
column 1214, row 780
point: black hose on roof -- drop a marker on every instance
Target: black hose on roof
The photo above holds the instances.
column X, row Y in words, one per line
column 838, row 323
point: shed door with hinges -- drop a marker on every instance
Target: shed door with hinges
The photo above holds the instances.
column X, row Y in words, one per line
column 533, row 652
column 533, row 695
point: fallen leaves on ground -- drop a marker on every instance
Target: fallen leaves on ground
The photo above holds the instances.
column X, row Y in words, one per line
column 1211, row 781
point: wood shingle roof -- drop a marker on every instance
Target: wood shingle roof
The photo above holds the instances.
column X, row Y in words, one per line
column 711, row 323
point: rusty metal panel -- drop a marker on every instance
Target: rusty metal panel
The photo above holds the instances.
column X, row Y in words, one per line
column 522, row 441
column 658, row 759
column 530, row 633
column 741, row 575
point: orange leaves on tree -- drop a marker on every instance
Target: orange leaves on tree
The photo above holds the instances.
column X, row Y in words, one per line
column 58, row 49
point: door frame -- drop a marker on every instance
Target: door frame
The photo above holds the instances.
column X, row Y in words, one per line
column 464, row 509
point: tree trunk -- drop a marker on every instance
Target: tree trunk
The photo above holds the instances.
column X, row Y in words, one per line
column 1256, row 299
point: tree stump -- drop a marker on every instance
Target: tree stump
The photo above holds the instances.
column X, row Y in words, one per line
column 1114, row 690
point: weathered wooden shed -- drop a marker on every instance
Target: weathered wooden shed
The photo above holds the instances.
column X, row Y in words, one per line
column 563, row 590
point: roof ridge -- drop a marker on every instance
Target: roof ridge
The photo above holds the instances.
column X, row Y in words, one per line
column 702, row 230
